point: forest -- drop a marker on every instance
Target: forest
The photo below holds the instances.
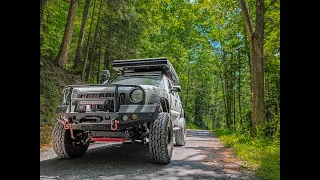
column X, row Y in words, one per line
column 225, row 52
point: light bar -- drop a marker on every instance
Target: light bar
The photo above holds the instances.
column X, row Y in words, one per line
column 92, row 102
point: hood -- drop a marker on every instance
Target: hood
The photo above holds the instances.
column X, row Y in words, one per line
column 153, row 93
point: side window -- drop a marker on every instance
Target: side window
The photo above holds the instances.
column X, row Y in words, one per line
column 162, row 84
column 169, row 84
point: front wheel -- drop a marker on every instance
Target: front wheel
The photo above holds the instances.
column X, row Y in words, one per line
column 64, row 146
column 161, row 139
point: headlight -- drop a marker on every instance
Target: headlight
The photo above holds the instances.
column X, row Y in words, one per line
column 136, row 95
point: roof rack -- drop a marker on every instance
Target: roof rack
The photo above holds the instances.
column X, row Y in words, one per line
column 146, row 65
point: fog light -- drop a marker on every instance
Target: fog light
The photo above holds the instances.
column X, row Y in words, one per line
column 133, row 116
column 62, row 117
column 124, row 117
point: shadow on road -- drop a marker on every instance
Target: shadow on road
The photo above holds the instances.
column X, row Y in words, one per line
column 130, row 161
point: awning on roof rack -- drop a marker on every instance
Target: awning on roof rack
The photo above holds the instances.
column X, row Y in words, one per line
column 146, row 65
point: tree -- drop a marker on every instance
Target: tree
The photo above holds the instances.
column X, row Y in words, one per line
column 256, row 37
column 206, row 41
column 77, row 58
column 62, row 57
column 94, row 44
column 88, row 42
column 42, row 6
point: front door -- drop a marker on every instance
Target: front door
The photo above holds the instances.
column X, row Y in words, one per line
column 174, row 109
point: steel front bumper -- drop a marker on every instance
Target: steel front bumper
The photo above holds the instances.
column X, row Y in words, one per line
column 103, row 120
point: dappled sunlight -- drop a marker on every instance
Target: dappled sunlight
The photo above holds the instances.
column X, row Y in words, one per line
column 196, row 160
column 225, row 67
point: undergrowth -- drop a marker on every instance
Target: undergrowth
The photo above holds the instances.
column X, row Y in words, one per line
column 192, row 126
column 260, row 154
column 52, row 81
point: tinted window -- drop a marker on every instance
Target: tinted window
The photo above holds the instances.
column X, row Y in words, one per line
column 169, row 84
column 132, row 80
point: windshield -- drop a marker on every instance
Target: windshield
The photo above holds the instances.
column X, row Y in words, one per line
column 135, row 80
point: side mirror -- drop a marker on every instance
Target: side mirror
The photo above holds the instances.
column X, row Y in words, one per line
column 175, row 89
column 105, row 76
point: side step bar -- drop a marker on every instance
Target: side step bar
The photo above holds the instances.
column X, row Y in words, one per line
column 107, row 139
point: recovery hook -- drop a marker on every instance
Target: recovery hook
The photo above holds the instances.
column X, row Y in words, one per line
column 71, row 130
column 114, row 124
column 67, row 125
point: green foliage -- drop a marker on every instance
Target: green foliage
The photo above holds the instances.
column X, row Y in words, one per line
column 193, row 126
column 207, row 44
column 261, row 154
column 52, row 28
column 52, row 81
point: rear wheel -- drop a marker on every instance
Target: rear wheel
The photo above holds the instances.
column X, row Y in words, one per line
column 181, row 134
column 161, row 139
column 64, row 146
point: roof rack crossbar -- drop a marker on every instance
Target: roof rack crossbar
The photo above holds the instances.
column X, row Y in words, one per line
column 146, row 65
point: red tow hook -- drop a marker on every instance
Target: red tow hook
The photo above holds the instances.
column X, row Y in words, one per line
column 71, row 130
column 67, row 125
column 115, row 125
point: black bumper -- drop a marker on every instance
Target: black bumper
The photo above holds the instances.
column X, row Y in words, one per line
column 102, row 120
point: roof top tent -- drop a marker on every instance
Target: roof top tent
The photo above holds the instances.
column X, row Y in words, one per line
column 146, row 65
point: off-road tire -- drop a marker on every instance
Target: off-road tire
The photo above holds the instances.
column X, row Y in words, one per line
column 62, row 143
column 181, row 134
column 161, row 139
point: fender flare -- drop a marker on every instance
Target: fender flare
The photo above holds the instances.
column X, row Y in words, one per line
column 165, row 104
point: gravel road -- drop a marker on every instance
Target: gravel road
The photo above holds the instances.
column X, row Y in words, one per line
column 203, row 157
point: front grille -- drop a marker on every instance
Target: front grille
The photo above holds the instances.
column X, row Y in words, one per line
column 109, row 106
column 122, row 99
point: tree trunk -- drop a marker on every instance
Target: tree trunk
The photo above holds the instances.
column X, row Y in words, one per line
column 215, row 103
column 88, row 43
column 187, row 92
column 258, row 89
column 239, row 92
column 77, row 58
column 228, row 93
column 224, row 97
column 106, row 59
column 64, row 48
column 224, row 84
column 234, row 93
column 197, row 110
column 99, row 61
column 94, row 44
column 256, row 38
column 42, row 6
